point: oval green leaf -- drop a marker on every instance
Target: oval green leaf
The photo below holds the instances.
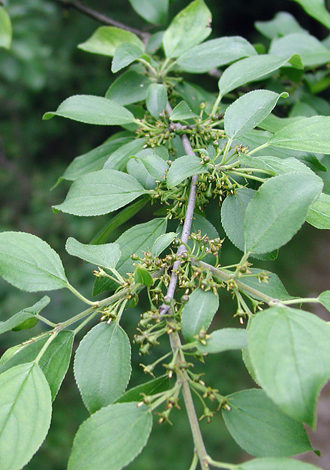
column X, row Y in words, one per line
column 102, row 365
column 190, row 27
column 248, row 70
column 29, row 263
column 182, row 112
column 25, row 318
column 289, row 350
column 162, row 243
column 316, row 9
column 5, row 29
column 198, row 313
column 92, row 110
column 111, row 438
column 248, row 111
column 25, row 413
column 136, row 239
column 125, row 54
column 152, row 387
column 214, row 53
column 310, row 49
column 261, row 428
column 106, row 39
column 182, row 168
column 106, row 256
column 278, row 210
column 156, row 99
column 307, row 135
column 100, row 192
column 319, row 212
column 54, row 362
column 277, row 464
column 226, row 339
column 151, row 11
column 129, row 88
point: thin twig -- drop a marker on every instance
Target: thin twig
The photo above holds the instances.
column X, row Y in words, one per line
column 176, row 345
column 100, row 17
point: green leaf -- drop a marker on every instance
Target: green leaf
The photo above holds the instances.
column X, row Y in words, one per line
column 105, row 256
column 106, row 39
column 54, row 362
column 282, row 24
column 198, row 313
column 308, row 135
column 111, row 438
column 278, row 166
column 319, row 212
column 278, row 210
column 5, row 29
column 25, row 318
column 310, row 49
column 232, row 215
column 182, row 168
column 261, row 428
column 100, row 192
column 274, row 123
column 130, row 87
column 289, row 351
column 182, row 112
column 156, row 99
column 189, row 28
column 324, row 299
column 124, row 55
column 143, row 276
column 194, row 96
column 92, row 110
column 248, row 70
column 247, row 111
column 118, row 220
column 136, row 239
column 29, row 263
column 102, row 365
column 136, row 168
column 214, row 53
column 225, row 339
column 25, row 413
column 273, row 287
column 151, row 11
column 316, row 9
column 155, row 165
column 232, row 218
column 152, row 387
column 119, row 158
column 95, row 159
column 162, row 242
column 276, row 464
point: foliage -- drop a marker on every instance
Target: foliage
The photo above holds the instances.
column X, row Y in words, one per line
column 183, row 150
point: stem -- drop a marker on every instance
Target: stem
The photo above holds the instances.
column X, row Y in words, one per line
column 45, row 346
column 226, row 276
column 222, row 465
column 216, row 104
column 95, row 15
column 82, row 324
column 183, row 379
column 81, row 297
column 44, row 320
column 246, row 175
column 258, row 148
column 194, row 462
column 311, row 300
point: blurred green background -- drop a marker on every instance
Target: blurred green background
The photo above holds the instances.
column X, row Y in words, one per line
column 42, row 68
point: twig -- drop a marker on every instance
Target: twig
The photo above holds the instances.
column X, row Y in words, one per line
column 176, row 345
column 101, row 18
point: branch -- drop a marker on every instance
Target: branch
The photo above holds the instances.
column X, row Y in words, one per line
column 104, row 19
column 176, row 345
